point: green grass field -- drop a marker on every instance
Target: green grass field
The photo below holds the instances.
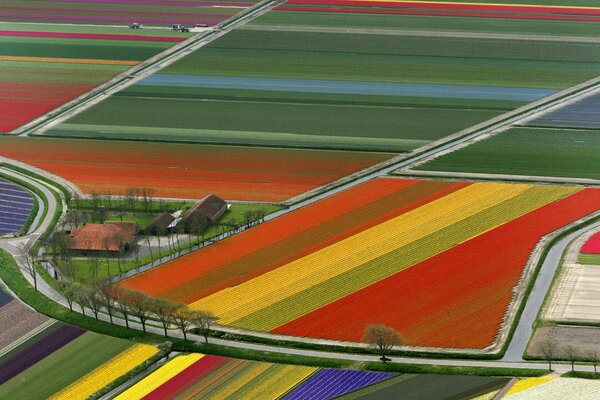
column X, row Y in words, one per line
column 355, row 127
column 589, row 259
column 63, row 367
column 567, row 153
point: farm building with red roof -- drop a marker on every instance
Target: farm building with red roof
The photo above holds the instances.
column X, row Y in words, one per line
column 113, row 237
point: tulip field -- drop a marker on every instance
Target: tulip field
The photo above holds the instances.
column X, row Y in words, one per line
column 188, row 171
column 592, row 246
column 331, row 268
column 15, row 207
column 72, row 363
column 448, row 9
column 124, row 12
column 43, row 68
column 213, row 377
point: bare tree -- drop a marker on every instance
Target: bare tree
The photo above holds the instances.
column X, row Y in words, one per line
column 204, row 321
column 595, row 358
column 120, row 294
column 548, row 347
column 147, row 198
column 138, row 304
column 29, row 263
column 107, row 243
column 131, row 195
column 95, row 202
column 94, row 268
column 81, row 296
column 149, row 246
column 107, row 296
column 94, row 301
column 382, row 339
column 67, row 289
column 183, row 318
column 164, row 311
column 572, row 354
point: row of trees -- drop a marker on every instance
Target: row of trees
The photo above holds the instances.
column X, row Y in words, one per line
column 126, row 303
column 133, row 200
column 551, row 349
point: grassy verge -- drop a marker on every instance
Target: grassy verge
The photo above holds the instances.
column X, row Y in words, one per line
column 581, row 374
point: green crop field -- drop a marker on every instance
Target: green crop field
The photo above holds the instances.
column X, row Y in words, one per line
column 63, row 367
column 296, row 20
column 528, row 151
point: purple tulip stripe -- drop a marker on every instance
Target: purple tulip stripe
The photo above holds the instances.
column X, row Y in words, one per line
column 38, row 351
column 15, row 207
column 330, row 383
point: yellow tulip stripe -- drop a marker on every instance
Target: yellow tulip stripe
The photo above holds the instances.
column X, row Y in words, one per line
column 528, row 383
column 107, row 372
column 331, row 273
column 158, row 377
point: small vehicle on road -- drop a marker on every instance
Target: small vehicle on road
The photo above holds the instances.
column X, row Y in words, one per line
column 135, row 25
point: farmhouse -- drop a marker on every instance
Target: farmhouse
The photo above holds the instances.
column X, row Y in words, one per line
column 204, row 212
column 112, row 237
column 160, row 225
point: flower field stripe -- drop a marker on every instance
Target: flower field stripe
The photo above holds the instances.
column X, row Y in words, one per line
column 438, row 13
column 457, row 298
column 38, row 351
column 273, row 382
column 67, row 60
column 397, row 259
column 524, row 384
column 106, row 373
column 66, row 35
column 158, row 377
column 329, row 383
column 21, row 102
column 489, row 7
column 235, row 303
column 309, row 241
column 228, row 380
column 105, row 18
column 592, row 246
column 269, row 174
column 190, row 376
column 282, row 240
